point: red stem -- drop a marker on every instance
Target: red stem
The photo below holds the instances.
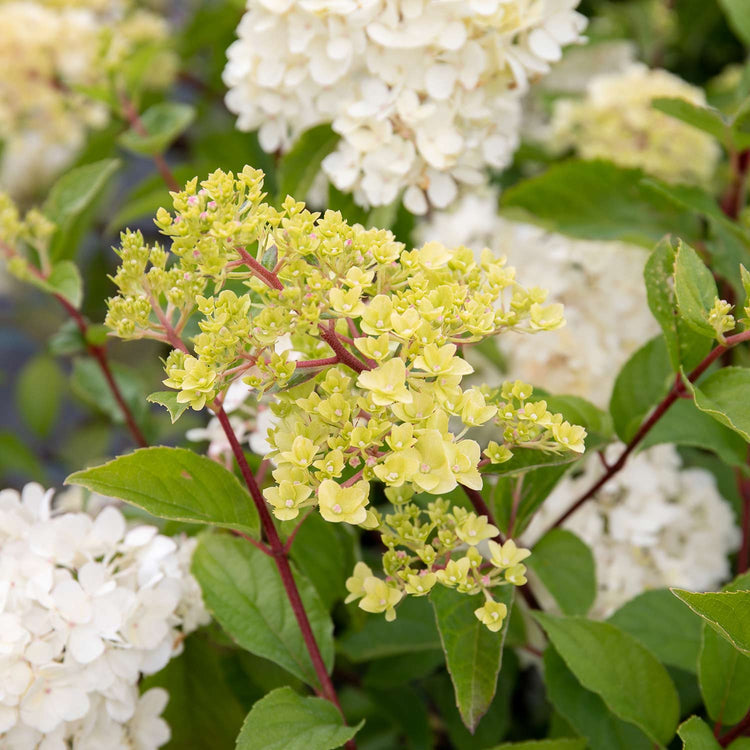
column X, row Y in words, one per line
column 736, row 731
column 675, row 392
column 282, row 563
column 342, row 354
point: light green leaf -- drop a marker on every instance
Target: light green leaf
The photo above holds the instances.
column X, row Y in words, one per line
column 565, row 565
column 586, row 712
column 301, row 164
column 243, row 590
column 707, row 119
column 662, row 624
column 168, row 399
column 608, row 203
column 202, row 712
column 163, row 123
column 695, row 289
column 724, row 678
column 727, row 612
column 567, row 743
column 69, row 198
column 39, row 391
column 725, row 395
column 739, row 19
column 613, row 664
column 473, row 654
column 283, row 720
column 697, row 735
column 684, row 346
column 65, row 280
column 177, row 484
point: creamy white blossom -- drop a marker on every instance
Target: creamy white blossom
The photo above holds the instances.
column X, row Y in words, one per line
column 87, row 605
column 599, row 283
column 616, row 120
column 49, row 53
column 424, row 93
column 654, row 524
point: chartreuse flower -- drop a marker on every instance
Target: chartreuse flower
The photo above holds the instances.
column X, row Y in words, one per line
column 380, row 597
column 475, row 529
column 355, row 584
column 507, row 555
column 492, row 614
column 286, row 499
column 343, row 504
column 720, row 319
column 386, row 383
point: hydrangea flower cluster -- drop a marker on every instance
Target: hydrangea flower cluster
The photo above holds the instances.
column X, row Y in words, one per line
column 615, row 120
column 654, row 524
column 425, row 95
column 605, row 325
column 87, row 605
column 53, row 52
column 377, row 332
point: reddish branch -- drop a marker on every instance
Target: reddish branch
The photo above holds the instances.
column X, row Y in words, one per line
column 736, row 731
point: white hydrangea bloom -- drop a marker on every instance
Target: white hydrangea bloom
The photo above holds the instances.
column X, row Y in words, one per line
column 615, row 120
column 49, row 49
column 424, row 93
column 655, row 524
column 600, row 284
column 87, row 606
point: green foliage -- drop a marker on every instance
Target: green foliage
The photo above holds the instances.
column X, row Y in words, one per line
column 39, row 391
column 725, row 396
column 473, row 654
column 697, row 735
column 695, row 290
column 565, row 565
column 724, row 678
column 177, row 484
column 283, row 720
column 64, row 279
column 243, row 590
column 163, row 123
column 615, row 666
column 738, row 17
column 561, row 744
column 168, row 399
column 301, row 164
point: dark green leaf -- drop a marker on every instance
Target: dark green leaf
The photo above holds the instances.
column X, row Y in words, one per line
column 283, row 720
column 473, row 654
column 565, row 565
column 695, row 290
column 18, row 460
column 39, row 391
column 243, row 590
column 739, row 19
column 724, row 678
column 697, row 735
column 163, row 123
column 177, row 484
column 613, row 664
column 567, row 743
column 708, row 119
column 300, row 165
column 664, row 626
column 725, row 396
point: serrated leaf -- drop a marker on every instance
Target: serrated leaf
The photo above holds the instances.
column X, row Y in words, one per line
column 177, row 484
column 168, row 399
column 243, row 590
column 695, row 290
column 618, row 668
column 283, row 720
column 164, row 123
column 662, row 624
column 704, row 118
column 725, row 396
column 586, row 712
column 684, row 346
column 727, row 612
column 608, row 203
column 565, row 565
column 473, row 654
column 301, row 164
column 697, row 735
column 724, row 677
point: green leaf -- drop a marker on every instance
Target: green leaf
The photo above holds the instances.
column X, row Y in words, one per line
column 695, row 290
column 565, row 565
column 613, row 664
column 642, row 382
column 299, row 166
column 175, row 483
column 243, row 590
column 18, row 460
column 684, row 346
column 71, row 195
column 608, row 203
column 473, row 654
column 202, row 711
column 413, row 630
column 724, row 678
column 39, row 390
column 586, row 712
column 283, row 720
column 725, row 395
column 707, row 119
column 697, row 735
column 66, row 281
column 662, row 624
column 738, row 17
column 567, row 743
column 163, row 123
column 727, row 612
column 168, row 399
